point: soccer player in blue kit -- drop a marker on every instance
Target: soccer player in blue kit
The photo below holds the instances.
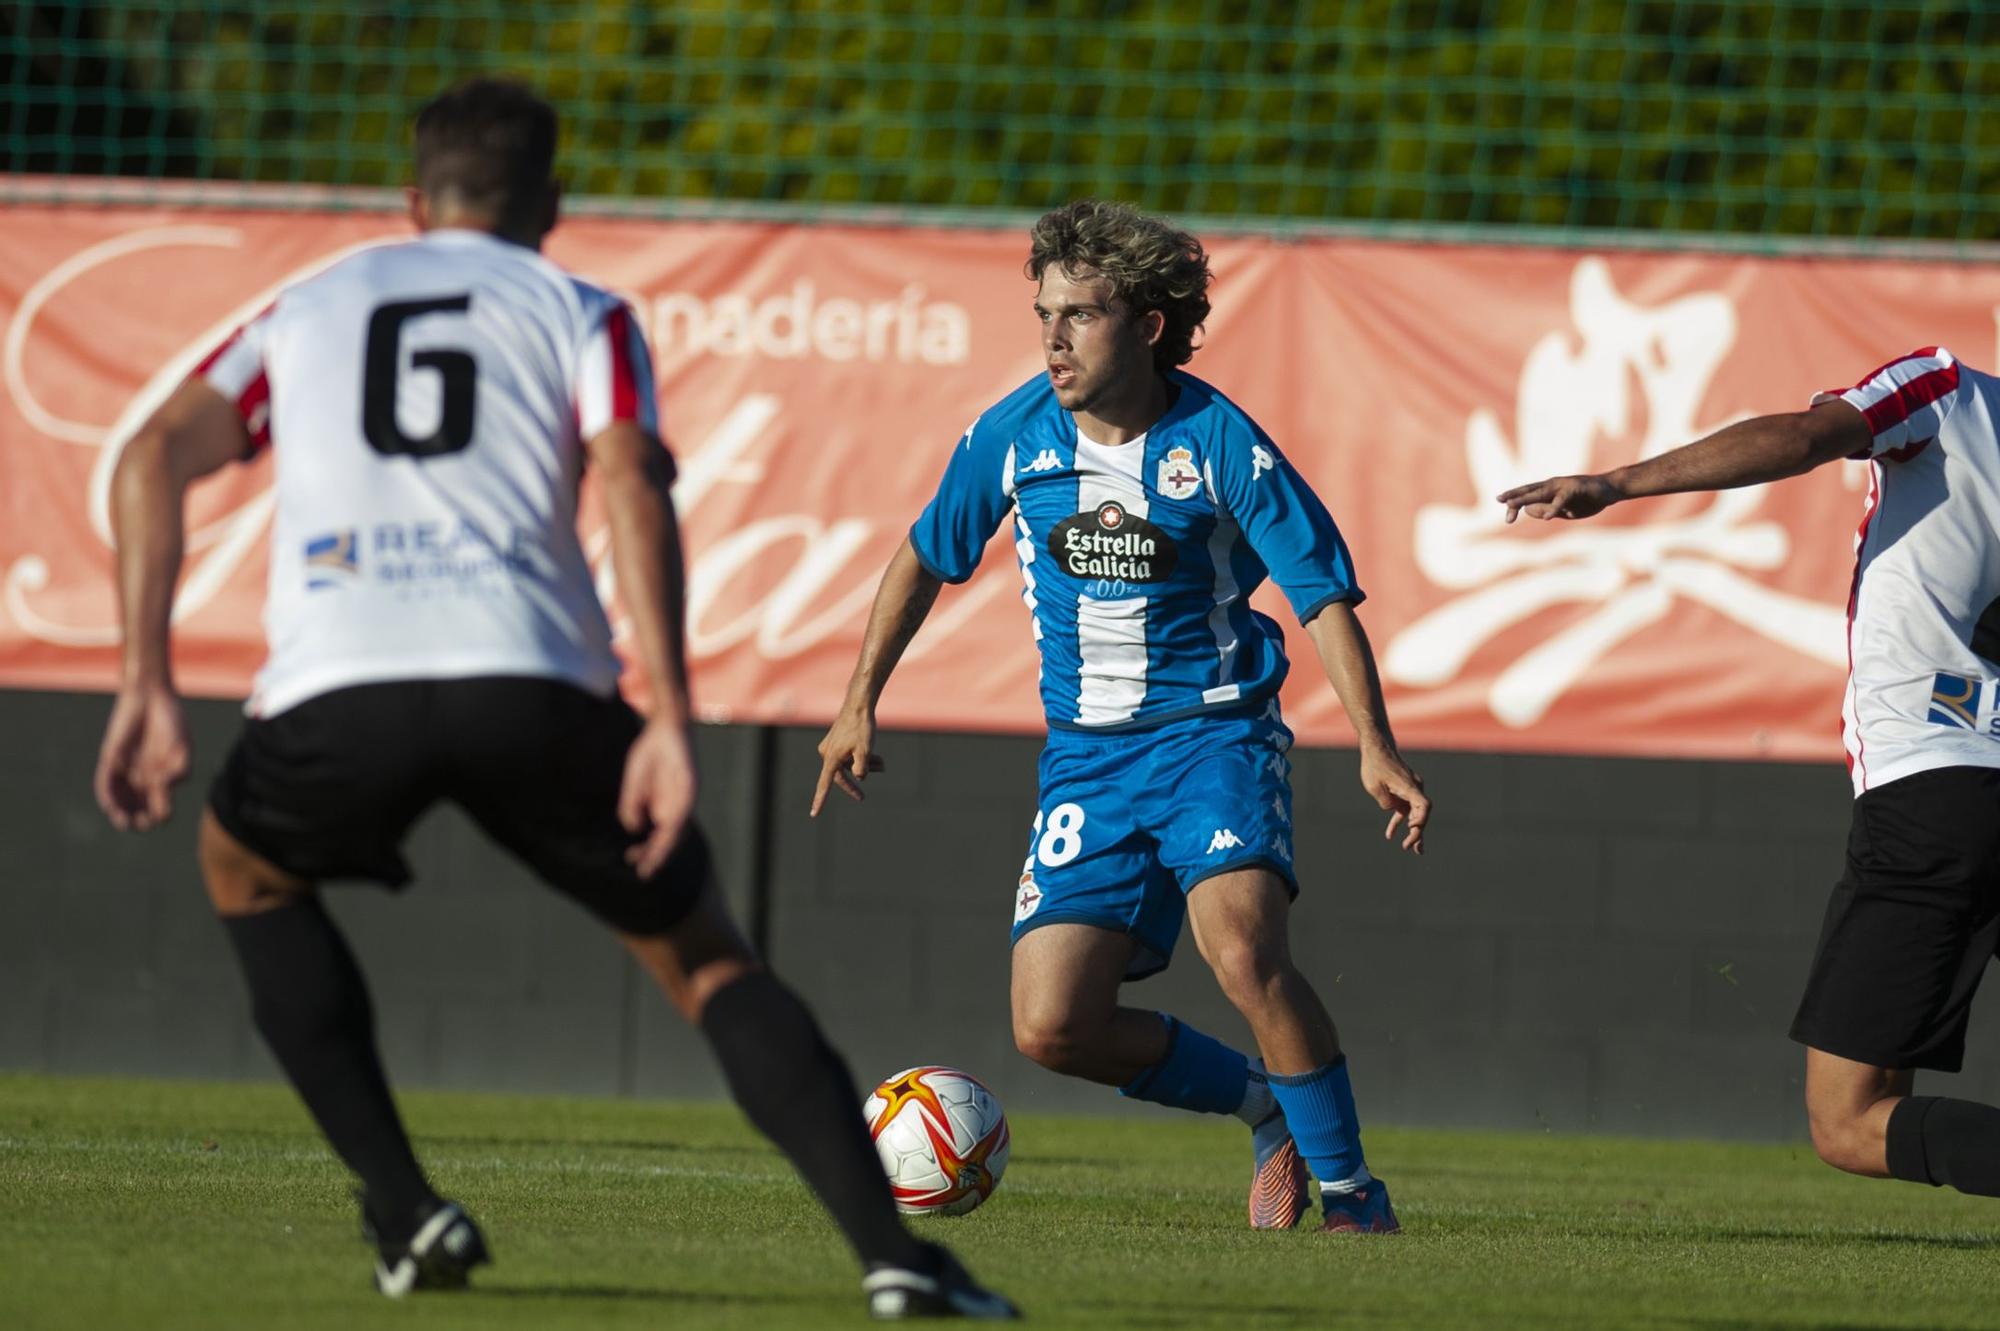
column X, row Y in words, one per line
column 1147, row 508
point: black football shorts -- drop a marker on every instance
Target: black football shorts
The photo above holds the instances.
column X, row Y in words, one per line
column 329, row 788
column 1911, row 924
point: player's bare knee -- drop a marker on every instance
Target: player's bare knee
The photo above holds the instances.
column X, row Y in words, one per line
column 1836, row 1148
column 1249, row 971
column 1058, row 1044
column 239, row 881
column 691, row 966
column 1841, row 1140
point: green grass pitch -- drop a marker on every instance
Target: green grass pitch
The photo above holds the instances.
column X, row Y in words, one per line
column 130, row 1204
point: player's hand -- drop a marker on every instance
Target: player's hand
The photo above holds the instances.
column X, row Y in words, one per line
column 846, row 756
column 658, row 793
column 1562, row 497
column 143, row 757
column 1391, row 784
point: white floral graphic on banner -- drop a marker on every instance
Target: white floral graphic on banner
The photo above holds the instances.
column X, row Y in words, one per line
column 1625, row 367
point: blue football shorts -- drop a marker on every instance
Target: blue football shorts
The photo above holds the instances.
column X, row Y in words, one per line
column 1129, row 822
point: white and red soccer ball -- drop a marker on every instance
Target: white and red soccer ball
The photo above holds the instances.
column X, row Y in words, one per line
column 942, row 1138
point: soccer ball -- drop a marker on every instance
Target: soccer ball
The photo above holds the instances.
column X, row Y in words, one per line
column 942, row 1138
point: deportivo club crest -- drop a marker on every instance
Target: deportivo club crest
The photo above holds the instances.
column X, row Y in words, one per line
column 1178, row 478
column 1027, row 899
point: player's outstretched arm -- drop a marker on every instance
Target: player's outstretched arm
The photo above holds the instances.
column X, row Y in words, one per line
column 145, row 749
column 659, row 787
column 1350, row 668
column 847, row 754
column 1764, row 448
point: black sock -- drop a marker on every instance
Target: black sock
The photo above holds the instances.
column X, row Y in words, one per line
column 799, row 1093
column 1946, row 1143
column 311, row 1006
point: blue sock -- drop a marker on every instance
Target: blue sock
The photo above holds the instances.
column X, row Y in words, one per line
column 1199, row 1073
column 1319, row 1108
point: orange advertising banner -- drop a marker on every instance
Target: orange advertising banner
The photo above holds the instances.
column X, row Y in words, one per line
column 815, row 378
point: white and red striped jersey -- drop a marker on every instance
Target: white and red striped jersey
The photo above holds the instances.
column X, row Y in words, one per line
column 1923, row 614
column 426, row 405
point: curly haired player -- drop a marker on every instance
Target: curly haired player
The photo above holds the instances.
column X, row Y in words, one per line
column 1147, row 507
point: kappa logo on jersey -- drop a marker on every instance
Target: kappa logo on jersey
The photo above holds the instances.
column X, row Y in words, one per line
column 1278, row 807
column 1261, row 461
column 1178, row 478
column 1110, row 542
column 1955, row 702
column 1028, row 900
column 1224, row 839
column 331, row 560
column 1046, row 460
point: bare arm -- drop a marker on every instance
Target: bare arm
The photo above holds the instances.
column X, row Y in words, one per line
column 145, row 749
column 659, row 787
column 1765, row 448
column 1350, row 668
column 906, row 595
column 637, row 477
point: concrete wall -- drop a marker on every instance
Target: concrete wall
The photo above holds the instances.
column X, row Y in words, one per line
column 1590, row 944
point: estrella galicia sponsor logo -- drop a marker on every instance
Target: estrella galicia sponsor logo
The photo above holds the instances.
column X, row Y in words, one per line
column 1955, row 702
column 1109, row 542
column 332, row 560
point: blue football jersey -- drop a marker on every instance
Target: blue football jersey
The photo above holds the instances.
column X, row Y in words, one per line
column 1138, row 560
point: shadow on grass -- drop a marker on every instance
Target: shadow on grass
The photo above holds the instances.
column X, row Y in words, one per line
column 1964, row 1241
column 1125, row 1311
column 1186, row 1312
column 551, row 1143
column 645, row 1294
column 1742, row 1324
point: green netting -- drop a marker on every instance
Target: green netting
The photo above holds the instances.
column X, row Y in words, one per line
column 1774, row 119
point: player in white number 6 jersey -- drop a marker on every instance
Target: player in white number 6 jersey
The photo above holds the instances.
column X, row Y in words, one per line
column 1916, row 917
column 434, row 634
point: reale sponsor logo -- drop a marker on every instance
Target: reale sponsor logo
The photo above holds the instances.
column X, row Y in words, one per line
column 331, row 560
column 1955, row 702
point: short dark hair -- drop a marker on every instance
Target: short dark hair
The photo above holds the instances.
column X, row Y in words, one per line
column 488, row 145
column 1150, row 264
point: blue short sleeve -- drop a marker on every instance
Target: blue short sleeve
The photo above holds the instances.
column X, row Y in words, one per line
column 1284, row 522
column 971, row 502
